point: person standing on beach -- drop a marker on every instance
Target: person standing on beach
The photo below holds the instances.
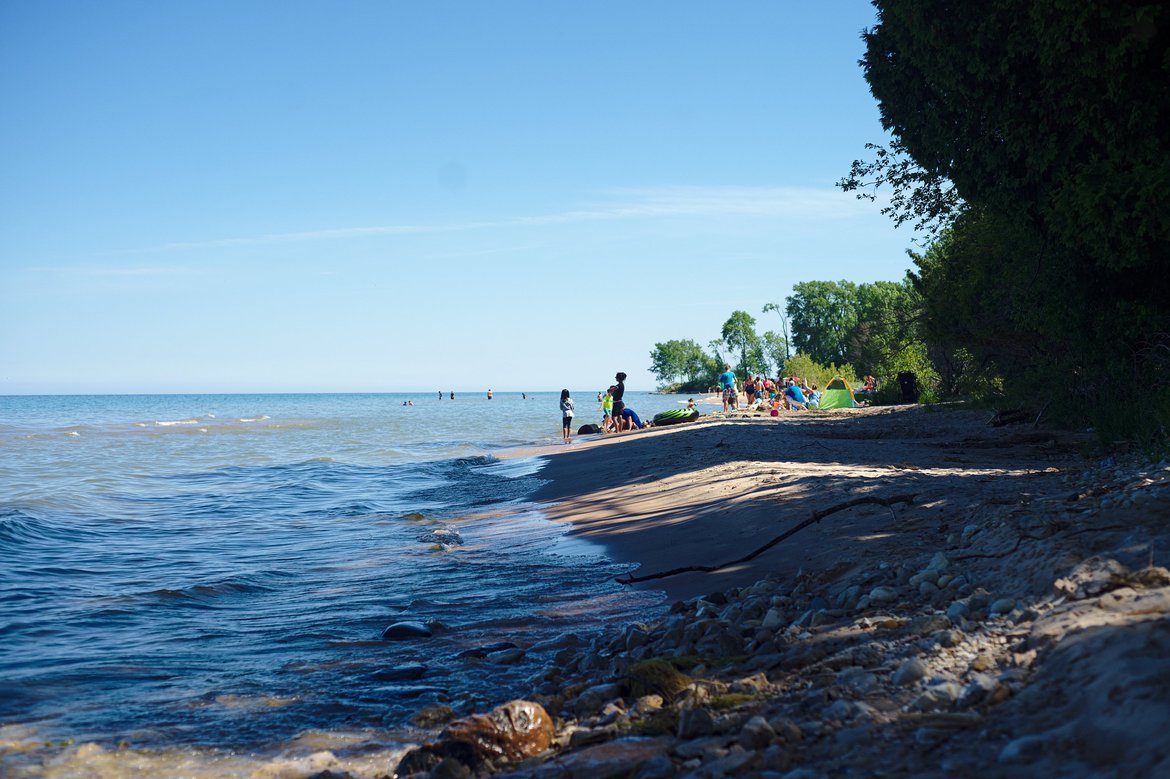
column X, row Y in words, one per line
column 566, row 415
column 727, row 384
column 619, row 405
column 489, row 394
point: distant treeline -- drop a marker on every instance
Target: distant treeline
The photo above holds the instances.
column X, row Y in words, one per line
column 826, row 329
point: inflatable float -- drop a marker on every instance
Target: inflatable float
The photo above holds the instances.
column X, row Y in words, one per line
column 676, row 416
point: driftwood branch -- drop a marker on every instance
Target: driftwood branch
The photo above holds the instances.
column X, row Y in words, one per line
column 816, row 517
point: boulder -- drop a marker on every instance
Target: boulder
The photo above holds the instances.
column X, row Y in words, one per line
column 509, row 733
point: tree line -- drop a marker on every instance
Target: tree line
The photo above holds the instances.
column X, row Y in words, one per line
column 1030, row 144
column 826, row 329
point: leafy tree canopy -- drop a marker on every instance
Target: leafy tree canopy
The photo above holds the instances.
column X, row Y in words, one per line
column 1053, row 111
column 823, row 315
column 739, row 334
column 679, row 361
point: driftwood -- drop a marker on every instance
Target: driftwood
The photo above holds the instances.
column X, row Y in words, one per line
column 816, row 517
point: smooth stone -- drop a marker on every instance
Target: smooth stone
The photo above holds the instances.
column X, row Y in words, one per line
column 1024, row 749
column 883, row 595
column 841, row 709
column 404, row 631
column 400, row 672
column 593, row 698
column 957, row 612
column 757, row 733
column 774, row 619
column 1003, row 606
column 924, row 576
column 909, row 672
column 695, row 723
column 929, row 624
column 506, row 656
column 940, row 562
column 937, row 696
column 487, row 649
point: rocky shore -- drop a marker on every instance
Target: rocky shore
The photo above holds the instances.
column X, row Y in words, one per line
column 1010, row 623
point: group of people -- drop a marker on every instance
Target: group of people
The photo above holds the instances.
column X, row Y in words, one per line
column 615, row 416
column 791, row 393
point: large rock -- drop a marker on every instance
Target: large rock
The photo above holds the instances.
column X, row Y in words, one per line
column 508, row 733
column 405, row 631
column 514, row 731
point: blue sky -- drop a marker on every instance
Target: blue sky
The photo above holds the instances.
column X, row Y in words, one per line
column 382, row 196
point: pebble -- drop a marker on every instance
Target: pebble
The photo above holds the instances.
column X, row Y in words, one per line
column 909, row 672
column 957, row 612
column 937, row 696
column 757, row 733
column 883, row 595
column 694, row 723
column 1024, row 749
column 1002, row 606
column 506, row 656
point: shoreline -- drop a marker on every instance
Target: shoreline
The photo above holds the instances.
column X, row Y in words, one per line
column 951, row 598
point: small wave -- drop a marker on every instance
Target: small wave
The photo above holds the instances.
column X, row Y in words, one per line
column 260, row 418
column 204, row 594
column 177, row 422
column 73, row 432
column 442, row 536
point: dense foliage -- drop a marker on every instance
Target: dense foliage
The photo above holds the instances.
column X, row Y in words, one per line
column 1035, row 136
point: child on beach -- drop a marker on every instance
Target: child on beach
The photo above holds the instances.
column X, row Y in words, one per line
column 566, row 415
column 607, row 411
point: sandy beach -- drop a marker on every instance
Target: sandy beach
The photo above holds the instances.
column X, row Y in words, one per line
column 917, row 593
column 714, row 492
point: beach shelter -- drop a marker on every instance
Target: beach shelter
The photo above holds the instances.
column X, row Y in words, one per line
column 838, row 394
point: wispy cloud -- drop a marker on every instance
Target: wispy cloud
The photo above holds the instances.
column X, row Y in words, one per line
column 612, row 205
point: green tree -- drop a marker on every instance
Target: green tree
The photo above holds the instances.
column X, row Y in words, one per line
column 1055, row 113
column 1038, row 135
column 888, row 313
column 775, row 348
column 739, row 334
column 784, row 331
column 823, row 316
column 678, row 361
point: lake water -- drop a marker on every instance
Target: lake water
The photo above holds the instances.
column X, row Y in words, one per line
column 204, row 579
